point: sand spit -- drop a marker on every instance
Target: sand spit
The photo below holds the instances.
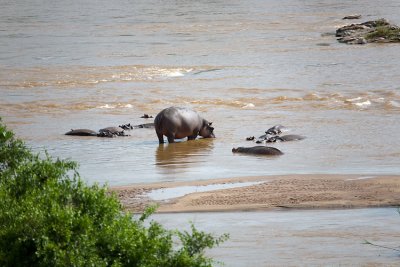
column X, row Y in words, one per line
column 268, row 192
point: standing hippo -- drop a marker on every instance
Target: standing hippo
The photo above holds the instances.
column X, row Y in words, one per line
column 177, row 123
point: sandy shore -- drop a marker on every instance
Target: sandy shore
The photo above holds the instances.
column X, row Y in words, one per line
column 271, row 192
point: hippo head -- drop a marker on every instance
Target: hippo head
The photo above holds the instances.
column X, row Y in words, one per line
column 207, row 131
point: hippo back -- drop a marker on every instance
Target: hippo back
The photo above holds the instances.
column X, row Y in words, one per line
column 81, row 132
column 258, row 150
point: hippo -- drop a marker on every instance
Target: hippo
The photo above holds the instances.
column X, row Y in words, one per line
column 146, row 116
column 271, row 132
column 144, row 125
column 178, row 122
column 128, row 126
column 258, row 150
column 105, row 132
column 81, row 132
column 355, row 16
column 111, row 132
column 283, row 138
column 291, row 137
column 275, row 130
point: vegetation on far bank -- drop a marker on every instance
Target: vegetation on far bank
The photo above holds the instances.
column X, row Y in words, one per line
column 50, row 217
column 385, row 32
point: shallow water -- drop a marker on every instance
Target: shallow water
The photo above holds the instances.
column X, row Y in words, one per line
column 169, row 193
column 246, row 66
column 298, row 238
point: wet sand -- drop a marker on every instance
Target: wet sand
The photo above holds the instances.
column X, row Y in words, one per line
column 268, row 193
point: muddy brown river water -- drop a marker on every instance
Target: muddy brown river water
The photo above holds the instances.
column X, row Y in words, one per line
column 245, row 66
column 299, row 238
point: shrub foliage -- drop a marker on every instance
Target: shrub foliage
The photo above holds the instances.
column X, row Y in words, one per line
column 50, row 217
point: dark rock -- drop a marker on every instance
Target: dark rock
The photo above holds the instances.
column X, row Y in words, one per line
column 374, row 31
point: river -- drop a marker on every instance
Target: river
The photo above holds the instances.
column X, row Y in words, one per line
column 244, row 65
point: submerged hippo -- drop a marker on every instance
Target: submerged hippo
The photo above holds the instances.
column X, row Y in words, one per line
column 291, row 137
column 82, row 132
column 273, row 134
column 275, row 130
column 258, row 150
column 105, row 132
column 128, row 126
column 146, row 116
column 177, row 123
column 144, row 125
column 111, row 132
column 283, row 138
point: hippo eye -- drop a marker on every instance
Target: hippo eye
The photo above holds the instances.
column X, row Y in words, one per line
column 209, row 124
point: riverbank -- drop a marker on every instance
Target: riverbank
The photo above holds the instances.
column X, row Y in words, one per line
column 266, row 193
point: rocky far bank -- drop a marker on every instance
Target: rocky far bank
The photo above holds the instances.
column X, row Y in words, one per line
column 374, row 31
column 271, row 192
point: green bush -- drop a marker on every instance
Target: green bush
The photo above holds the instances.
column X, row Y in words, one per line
column 386, row 32
column 50, row 217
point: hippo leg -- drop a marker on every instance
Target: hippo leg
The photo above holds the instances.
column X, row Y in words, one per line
column 160, row 138
column 171, row 138
column 192, row 137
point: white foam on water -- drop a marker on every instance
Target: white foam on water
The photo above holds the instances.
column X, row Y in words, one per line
column 119, row 105
column 395, row 104
column 174, row 192
column 363, row 104
column 93, row 82
column 107, row 106
column 180, row 72
column 380, row 100
column 175, row 74
column 353, row 99
column 249, row 105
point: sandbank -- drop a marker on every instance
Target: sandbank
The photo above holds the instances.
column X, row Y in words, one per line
column 315, row 191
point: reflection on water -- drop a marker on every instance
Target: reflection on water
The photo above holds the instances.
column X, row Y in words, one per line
column 182, row 155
